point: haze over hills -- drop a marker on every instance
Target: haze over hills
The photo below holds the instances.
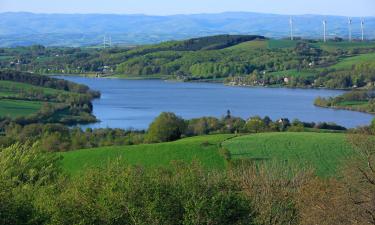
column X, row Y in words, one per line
column 20, row 28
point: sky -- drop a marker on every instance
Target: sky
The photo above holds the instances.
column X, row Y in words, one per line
column 170, row 7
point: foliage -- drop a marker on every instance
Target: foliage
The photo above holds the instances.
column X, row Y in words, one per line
column 166, row 127
column 27, row 98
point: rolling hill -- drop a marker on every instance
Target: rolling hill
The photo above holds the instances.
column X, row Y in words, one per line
column 89, row 29
column 322, row 151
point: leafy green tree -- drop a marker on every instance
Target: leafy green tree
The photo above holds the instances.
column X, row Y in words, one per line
column 166, row 127
column 255, row 125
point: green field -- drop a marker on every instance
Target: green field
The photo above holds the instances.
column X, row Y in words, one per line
column 293, row 73
column 272, row 44
column 250, row 45
column 347, row 63
column 203, row 149
column 322, row 151
column 333, row 46
column 17, row 108
column 11, row 88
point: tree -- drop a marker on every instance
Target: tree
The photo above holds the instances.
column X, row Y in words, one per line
column 166, row 127
column 255, row 125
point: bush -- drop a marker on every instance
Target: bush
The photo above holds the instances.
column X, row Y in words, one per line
column 166, row 127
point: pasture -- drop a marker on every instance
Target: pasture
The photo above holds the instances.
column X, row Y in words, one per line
column 347, row 63
column 17, row 108
column 203, row 149
column 323, row 152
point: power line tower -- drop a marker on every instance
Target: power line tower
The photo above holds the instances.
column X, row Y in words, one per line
column 291, row 28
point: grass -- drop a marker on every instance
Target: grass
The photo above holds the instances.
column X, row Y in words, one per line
column 333, row 46
column 17, row 108
column 353, row 103
column 203, row 149
column 272, row 44
column 250, row 45
column 322, row 151
column 11, row 88
column 293, row 73
column 347, row 63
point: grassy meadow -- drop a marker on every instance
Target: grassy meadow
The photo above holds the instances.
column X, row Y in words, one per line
column 203, row 149
column 347, row 63
column 17, row 108
column 323, row 152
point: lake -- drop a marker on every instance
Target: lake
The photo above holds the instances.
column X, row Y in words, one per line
column 135, row 103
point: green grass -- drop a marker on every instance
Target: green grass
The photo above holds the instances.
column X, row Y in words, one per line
column 272, row 44
column 353, row 103
column 203, row 149
column 321, row 151
column 293, row 73
column 11, row 88
column 333, row 46
column 347, row 63
column 17, row 108
column 250, row 45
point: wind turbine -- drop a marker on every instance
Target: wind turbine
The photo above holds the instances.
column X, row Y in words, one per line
column 350, row 28
column 363, row 29
column 291, row 28
column 325, row 30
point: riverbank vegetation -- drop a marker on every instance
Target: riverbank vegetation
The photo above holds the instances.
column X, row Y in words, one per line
column 166, row 127
column 27, row 98
column 357, row 100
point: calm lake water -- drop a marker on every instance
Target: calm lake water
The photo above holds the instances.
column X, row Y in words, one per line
column 135, row 103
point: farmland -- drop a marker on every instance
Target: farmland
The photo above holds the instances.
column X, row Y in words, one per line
column 17, row 108
column 203, row 149
column 321, row 151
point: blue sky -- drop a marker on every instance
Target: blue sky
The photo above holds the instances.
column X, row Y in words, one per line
column 168, row 7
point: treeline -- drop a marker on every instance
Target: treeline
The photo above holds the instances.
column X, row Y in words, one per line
column 34, row 190
column 47, row 82
column 358, row 100
column 57, row 137
column 360, row 75
column 166, row 127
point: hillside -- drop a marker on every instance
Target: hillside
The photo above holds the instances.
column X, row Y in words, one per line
column 323, row 152
column 203, row 149
column 24, row 29
column 246, row 60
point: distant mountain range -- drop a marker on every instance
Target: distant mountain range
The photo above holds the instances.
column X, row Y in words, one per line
column 22, row 29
